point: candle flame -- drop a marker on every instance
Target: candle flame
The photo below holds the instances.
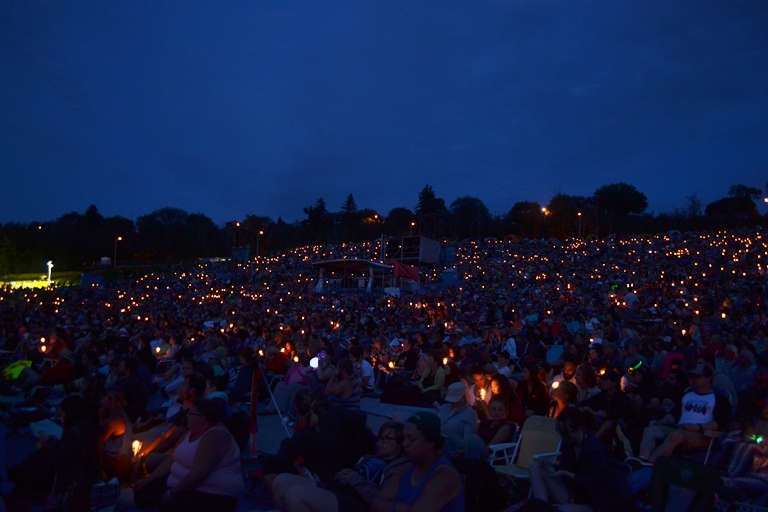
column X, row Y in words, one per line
column 136, row 446
column 555, row 384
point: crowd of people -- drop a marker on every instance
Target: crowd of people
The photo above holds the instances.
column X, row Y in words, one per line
column 639, row 347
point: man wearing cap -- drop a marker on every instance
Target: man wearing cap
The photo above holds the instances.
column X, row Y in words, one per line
column 429, row 483
column 701, row 409
column 458, row 419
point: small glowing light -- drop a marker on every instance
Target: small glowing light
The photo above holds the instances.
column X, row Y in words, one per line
column 157, row 350
column 136, row 446
column 391, row 364
column 556, row 384
column 445, row 360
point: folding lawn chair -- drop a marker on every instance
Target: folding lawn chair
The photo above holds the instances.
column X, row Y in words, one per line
column 538, row 439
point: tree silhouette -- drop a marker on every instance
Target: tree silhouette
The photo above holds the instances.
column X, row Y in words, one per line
column 469, row 218
column 618, row 200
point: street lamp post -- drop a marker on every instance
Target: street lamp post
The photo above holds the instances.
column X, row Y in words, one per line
column 114, row 260
column 257, row 241
column 412, row 225
column 579, row 214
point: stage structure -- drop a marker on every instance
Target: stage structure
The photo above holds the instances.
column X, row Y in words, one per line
column 353, row 274
column 413, row 250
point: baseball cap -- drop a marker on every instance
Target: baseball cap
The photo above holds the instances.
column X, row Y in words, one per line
column 428, row 424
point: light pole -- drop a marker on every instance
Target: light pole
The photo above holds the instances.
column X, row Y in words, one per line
column 412, row 224
column 114, row 261
column 579, row 214
column 257, row 241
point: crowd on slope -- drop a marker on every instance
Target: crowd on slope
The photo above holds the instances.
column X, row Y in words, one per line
column 637, row 346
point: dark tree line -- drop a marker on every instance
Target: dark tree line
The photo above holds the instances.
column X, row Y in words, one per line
column 76, row 240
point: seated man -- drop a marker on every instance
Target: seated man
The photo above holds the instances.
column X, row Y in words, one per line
column 610, row 407
column 701, row 409
column 438, row 485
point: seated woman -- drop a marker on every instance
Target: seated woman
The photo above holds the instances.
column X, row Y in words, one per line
column 341, row 387
column 586, row 381
column 116, row 435
column 204, row 472
column 564, row 395
column 432, row 378
column 351, row 489
column 584, row 480
column 496, row 429
column 500, row 385
column 533, row 393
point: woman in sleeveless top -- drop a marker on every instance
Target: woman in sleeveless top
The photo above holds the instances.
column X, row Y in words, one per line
column 116, row 435
column 204, row 473
column 433, row 379
column 496, row 429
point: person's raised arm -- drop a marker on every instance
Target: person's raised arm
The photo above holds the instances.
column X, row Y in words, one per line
column 336, row 388
column 112, row 426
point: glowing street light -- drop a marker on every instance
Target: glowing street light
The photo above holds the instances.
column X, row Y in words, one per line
column 114, row 260
column 579, row 214
column 257, row 241
column 412, row 225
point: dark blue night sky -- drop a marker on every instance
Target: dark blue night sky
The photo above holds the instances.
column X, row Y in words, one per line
column 234, row 108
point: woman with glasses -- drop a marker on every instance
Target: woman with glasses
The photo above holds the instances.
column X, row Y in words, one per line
column 204, row 472
column 352, row 489
column 586, row 478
